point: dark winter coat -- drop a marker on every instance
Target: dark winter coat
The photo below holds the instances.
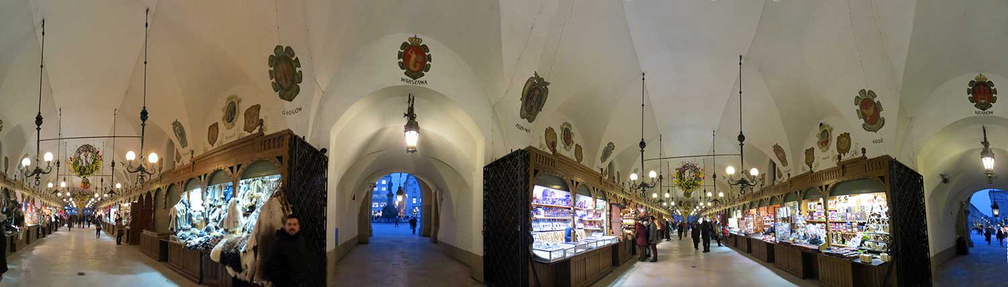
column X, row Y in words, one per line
column 706, row 229
column 641, row 234
column 653, row 233
column 695, row 232
column 289, row 260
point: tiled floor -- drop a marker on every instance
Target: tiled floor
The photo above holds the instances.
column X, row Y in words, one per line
column 394, row 257
column 680, row 265
column 77, row 258
column 984, row 266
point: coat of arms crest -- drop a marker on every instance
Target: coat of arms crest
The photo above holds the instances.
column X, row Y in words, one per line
column 533, row 97
column 825, row 136
column 567, row 136
column 212, row 133
column 414, row 58
column 551, row 139
column 982, row 93
column 843, row 144
column 607, row 151
column 809, row 157
column 285, row 72
column 781, row 156
column 869, row 111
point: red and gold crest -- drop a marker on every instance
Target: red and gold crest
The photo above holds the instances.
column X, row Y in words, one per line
column 414, row 58
column 825, row 136
column 869, row 111
column 982, row 93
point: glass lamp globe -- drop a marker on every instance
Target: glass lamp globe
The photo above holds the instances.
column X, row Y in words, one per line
column 130, row 155
column 62, row 184
column 652, row 174
column 25, row 162
column 730, row 170
column 720, row 194
column 48, row 157
column 118, row 185
column 633, row 176
column 654, row 195
column 152, row 158
column 50, row 185
column 754, row 172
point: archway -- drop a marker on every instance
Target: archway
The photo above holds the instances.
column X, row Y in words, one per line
column 397, row 199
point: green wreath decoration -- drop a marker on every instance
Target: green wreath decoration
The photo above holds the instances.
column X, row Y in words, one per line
column 86, row 161
column 688, row 177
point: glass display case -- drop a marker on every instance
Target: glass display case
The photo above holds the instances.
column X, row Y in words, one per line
column 860, row 221
column 549, row 253
column 785, row 222
column 629, row 222
column 589, row 220
column 808, row 227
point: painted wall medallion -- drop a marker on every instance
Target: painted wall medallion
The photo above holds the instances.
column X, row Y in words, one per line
column 180, row 133
column 567, row 136
column 825, row 136
column 230, row 111
column 809, row 157
column 551, row 139
column 414, row 58
column 843, row 143
column 578, row 153
column 607, row 151
column 781, row 156
column 533, row 97
column 252, row 120
column 212, row 133
column 285, row 72
column 869, row 110
column 178, row 156
column 982, row 92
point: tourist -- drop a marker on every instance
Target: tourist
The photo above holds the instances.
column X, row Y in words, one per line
column 987, row 235
column 1000, row 236
column 705, row 232
column 288, row 261
column 716, row 233
column 412, row 224
column 681, row 227
column 640, row 233
column 97, row 228
column 653, row 238
column 396, row 221
column 695, row 234
column 120, row 230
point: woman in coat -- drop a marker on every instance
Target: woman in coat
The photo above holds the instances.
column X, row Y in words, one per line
column 695, row 233
column 642, row 239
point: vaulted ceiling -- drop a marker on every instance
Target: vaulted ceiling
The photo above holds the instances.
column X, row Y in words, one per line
column 804, row 63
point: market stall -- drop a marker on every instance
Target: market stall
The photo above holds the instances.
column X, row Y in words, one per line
column 566, row 212
column 852, row 225
column 219, row 206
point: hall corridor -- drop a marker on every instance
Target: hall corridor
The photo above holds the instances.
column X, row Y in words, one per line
column 77, row 258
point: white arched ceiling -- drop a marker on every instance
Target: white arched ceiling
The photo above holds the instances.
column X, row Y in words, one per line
column 805, row 62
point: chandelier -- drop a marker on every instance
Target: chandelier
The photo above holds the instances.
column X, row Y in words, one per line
column 744, row 183
column 145, row 167
column 642, row 186
column 38, row 171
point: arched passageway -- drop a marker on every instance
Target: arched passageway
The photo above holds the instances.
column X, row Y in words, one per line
column 982, row 251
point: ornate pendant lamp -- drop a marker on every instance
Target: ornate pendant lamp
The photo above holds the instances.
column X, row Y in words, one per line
column 987, row 157
column 744, row 183
column 38, row 171
column 412, row 128
column 642, row 186
column 146, row 167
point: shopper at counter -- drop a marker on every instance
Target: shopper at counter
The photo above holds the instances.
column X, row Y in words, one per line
column 640, row 233
column 653, row 238
column 120, row 230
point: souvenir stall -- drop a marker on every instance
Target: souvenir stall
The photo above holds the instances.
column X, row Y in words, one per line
column 762, row 243
column 227, row 200
column 856, row 224
column 567, row 215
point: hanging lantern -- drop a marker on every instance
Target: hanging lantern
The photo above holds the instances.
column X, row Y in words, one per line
column 412, row 128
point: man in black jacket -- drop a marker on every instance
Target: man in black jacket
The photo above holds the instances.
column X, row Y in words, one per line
column 287, row 264
column 695, row 234
column 706, row 228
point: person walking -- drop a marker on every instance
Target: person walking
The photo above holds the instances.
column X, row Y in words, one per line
column 396, row 221
column 706, row 228
column 695, row 234
column 69, row 223
column 1000, row 236
column 653, row 239
column 120, row 230
column 641, row 236
column 716, row 232
column 987, row 235
column 97, row 225
column 681, row 227
column 288, row 260
column 412, row 224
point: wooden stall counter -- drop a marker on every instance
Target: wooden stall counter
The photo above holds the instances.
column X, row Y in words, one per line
column 150, row 244
column 187, row 262
column 762, row 249
column 797, row 260
column 836, row 271
column 623, row 252
column 579, row 270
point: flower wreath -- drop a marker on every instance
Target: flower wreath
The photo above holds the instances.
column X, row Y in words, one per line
column 688, row 177
column 86, row 161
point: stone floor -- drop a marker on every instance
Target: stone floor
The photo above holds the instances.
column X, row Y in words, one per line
column 395, row 257
column 680, row 265
column 77, row 258
column 984, row 266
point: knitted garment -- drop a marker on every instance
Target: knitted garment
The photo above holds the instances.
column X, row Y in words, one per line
column 234, row 216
